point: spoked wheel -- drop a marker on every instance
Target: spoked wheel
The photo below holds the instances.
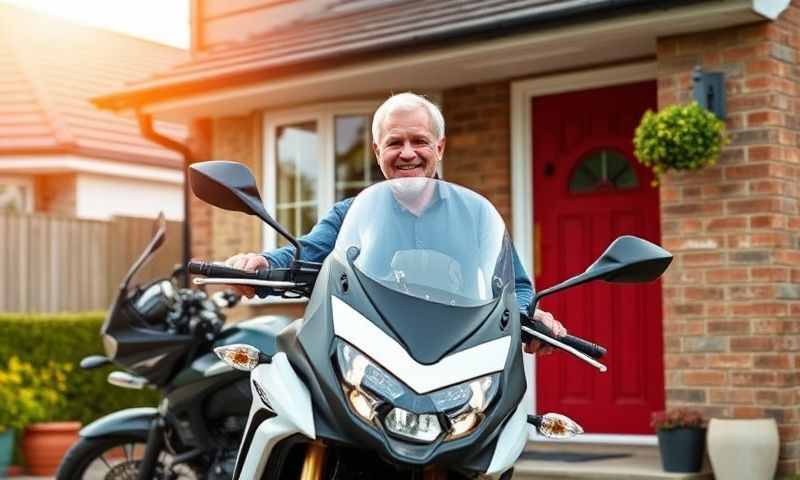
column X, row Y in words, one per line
column 116, row 458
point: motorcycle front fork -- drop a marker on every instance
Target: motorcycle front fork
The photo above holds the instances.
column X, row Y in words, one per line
column 155, row 443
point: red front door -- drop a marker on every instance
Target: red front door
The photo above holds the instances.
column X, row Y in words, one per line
column 588, row 190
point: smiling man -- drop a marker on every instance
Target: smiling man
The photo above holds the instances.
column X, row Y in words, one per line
column 408, row 141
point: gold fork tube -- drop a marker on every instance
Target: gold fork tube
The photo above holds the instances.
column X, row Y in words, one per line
column 433, row 473
column 314, row 463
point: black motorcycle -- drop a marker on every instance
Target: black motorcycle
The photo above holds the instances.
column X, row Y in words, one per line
column 163, row 337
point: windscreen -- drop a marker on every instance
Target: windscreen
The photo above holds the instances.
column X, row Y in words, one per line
column 429, row 239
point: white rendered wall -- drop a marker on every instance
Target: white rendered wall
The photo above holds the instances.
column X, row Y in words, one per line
column 100, row 197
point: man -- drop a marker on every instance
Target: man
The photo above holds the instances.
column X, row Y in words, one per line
column 408, row 141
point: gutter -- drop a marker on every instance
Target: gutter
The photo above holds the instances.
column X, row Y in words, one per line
column 148, row 132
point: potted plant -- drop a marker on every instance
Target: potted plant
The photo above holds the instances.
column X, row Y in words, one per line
column 11, row 415
column 679, row 137
column 681, row 439
column 38, row 395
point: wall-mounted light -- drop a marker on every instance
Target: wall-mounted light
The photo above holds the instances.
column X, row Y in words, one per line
column 709, row 91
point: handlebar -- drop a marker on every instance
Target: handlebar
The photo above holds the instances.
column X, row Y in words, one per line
column 213, row 270
column 584, row 346
column 298, row 280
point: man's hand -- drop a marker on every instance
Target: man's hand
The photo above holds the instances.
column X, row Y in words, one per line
column 246, row 261
column 536, row 345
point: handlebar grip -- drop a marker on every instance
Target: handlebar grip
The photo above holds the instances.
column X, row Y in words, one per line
column 592, row 349
column 220, row 271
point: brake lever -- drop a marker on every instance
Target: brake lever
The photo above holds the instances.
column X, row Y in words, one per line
column 563, row 346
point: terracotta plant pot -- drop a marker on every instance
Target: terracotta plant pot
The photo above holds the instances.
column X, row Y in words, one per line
column 743, row 449
column 44, row 445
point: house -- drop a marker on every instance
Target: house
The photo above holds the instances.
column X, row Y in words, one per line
column 58, row 153
column 535, row 94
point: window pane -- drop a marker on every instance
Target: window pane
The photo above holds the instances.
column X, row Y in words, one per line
column 603, row 170
column 355, row 166
column 297, row 166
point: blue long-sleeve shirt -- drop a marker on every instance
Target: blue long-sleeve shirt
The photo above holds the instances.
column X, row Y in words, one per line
column 320, row 241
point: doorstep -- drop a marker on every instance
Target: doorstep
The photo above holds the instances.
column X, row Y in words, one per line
column 640, row 462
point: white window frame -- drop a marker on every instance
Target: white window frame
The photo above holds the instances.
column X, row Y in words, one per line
column 24, row 182
column 324, row 116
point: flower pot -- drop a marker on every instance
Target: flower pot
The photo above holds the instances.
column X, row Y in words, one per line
column 44, row 445
column 682, row 449
column 6, row 450
column 743, row 448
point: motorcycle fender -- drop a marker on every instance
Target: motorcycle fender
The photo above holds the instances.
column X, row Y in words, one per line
column 288, row 398
column 130, row 420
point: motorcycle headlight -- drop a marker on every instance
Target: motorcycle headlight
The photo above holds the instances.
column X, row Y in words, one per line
column 361, row 373
column 466, row 402
column 367, row 386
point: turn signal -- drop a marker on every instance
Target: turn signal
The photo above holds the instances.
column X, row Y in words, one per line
column 241, row 356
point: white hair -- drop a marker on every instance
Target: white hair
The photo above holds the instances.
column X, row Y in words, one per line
column 407, row 101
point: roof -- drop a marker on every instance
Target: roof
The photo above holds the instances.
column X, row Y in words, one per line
column 50, row 68
column 351, row 30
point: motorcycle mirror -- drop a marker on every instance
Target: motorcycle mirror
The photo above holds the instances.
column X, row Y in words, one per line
column 628, row 259
column 231, row 186
column 159, row 234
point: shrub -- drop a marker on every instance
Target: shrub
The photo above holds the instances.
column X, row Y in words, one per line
column 679, row 137
column 677, row 418
column 28, row 394
column 42, row 340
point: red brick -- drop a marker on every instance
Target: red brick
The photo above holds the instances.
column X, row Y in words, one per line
column 704, row 378
column 703, row 293
column 729, row 396
column 730, row 360
column 773, row 274
column 773, row 362
column 727, row 275
column 720, row 327
column 748, row 412
column 751, row 344
column 754, row 379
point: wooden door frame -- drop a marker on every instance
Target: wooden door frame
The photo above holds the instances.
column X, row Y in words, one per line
column 522, row 211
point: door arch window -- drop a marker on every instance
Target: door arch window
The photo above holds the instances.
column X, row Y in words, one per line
column 603, row 170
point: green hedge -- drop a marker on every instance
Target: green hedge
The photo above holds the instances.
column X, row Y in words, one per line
column 39, row 338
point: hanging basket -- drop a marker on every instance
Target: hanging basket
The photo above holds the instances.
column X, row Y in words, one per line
column 679, row 137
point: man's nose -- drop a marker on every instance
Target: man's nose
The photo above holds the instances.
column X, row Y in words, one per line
column 407, row 151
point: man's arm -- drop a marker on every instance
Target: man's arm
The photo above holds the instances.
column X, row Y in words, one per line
column 318, row 243
column 522, row 284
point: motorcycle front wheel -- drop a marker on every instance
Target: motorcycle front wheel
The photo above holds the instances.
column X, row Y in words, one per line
column 116, row 458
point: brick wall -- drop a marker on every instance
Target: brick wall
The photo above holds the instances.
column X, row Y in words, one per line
column 731, row 298
column 477, row 154
column 218, row 234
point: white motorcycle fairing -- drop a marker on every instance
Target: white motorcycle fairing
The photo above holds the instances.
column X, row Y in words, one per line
column 288, row 399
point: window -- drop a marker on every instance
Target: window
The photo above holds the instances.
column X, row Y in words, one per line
column 603, row 170
column 296, row 154
column 314, row 158
column 16, row 195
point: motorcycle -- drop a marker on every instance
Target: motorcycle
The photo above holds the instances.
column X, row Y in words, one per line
column 162, row 337
column 408, row 361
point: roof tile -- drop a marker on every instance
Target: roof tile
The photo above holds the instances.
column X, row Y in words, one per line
column 50, row 68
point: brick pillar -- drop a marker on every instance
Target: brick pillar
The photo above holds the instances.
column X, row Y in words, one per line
column 237, row 139
column 731, row 298
column 477, row 154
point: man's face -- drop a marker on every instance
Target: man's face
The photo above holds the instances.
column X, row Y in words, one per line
column 408, row 147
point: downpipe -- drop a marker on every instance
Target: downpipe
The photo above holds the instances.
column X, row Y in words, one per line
column 148, row 132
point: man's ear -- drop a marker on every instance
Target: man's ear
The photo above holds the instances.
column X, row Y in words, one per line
column 440, row 147
column 375, row 150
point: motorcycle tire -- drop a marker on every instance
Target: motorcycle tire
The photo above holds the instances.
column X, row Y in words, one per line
column 86, row 460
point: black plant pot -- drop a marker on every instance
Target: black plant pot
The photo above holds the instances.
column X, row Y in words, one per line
column 682, row 449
